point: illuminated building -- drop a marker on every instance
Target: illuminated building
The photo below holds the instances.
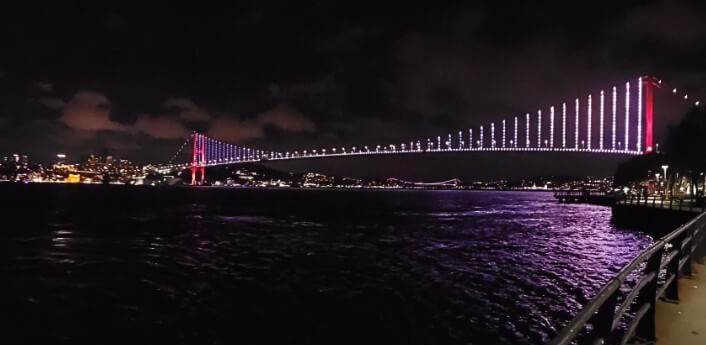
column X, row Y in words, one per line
column 317, row 180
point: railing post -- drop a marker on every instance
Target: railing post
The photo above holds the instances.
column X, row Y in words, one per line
column 603, row 319
column 645, row 330
column 671, row 293
column 686, row 252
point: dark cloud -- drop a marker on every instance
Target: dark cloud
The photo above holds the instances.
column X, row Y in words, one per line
column 90, row 111
column 44, row 86
column 161, row 127
column 675, row 23
column 188, row 110
column 121, row 145
column 52, row 102
column 287, row 119
column 229, row 129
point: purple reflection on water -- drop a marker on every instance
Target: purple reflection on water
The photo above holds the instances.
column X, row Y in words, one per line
column 314, row 267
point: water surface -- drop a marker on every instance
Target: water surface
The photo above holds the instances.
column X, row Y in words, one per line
column 99, row 264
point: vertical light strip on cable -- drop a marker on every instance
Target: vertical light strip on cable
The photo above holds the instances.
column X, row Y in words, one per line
column 601, row 121
column 615, row 107
column 515, row 136
column 627, row 116
column 588, row 122
column 527, row 130
column 576, row 127
column 563, row 125
column 639, row 114
column 492, row 135
column 551, row 127
column 539, row 129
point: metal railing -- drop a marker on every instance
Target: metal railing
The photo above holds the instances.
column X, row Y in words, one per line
column 599, row 322
column 672, row 203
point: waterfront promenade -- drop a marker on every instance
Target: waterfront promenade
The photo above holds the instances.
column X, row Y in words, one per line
column 668, row 302
column 684, row 323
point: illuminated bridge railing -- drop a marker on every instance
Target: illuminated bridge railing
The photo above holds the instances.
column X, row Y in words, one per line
column 680, row 204
column 616, row 316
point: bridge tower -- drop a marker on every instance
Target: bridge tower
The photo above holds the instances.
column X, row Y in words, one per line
column 649, row 83
column 198, row 162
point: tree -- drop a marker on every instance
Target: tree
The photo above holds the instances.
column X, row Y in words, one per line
column 686, row 146
column 637, row 167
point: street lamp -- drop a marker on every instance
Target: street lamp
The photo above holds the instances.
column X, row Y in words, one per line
column 665, row 167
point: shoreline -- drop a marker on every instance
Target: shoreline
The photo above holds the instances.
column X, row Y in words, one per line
column 84, row 185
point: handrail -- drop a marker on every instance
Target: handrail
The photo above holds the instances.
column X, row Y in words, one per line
column 682, row 204
column 604, row 311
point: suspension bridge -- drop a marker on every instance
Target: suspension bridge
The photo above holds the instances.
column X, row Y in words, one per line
column 618, row 121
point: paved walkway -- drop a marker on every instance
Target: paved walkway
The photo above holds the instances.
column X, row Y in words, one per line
column 684, row 323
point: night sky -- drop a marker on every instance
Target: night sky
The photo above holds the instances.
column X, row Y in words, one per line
column 135, row 81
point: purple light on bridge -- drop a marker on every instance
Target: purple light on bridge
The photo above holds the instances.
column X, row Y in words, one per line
column 576, row 127
column 551, row 126
column 515, row 135
column 563, row 125
column 539, row 128
column 615, row 107
column 492, row 135
column 588, row 122
column 639, row 114
column 527, row 130
column 601, row 121
column 626, row 140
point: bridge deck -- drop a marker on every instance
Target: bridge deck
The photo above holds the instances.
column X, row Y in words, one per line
column 685, row 322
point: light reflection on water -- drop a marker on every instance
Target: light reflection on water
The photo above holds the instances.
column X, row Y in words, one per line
column 314, row 267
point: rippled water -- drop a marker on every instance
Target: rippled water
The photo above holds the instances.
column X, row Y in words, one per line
column 93, row 265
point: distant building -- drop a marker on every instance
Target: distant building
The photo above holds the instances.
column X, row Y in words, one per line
column 351, row 182
column 317, row 180
column 73, row 178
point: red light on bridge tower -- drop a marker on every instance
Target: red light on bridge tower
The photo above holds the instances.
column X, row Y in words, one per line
column 648, row 85
column 199, row 158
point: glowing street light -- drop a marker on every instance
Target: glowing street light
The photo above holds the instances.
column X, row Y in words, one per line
column 665, row 167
